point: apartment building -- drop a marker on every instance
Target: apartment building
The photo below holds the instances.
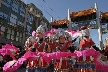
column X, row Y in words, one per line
column 18, row 20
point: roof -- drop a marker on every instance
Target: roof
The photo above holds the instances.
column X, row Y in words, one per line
column 60, row 22
column 83, row 12
column 104, row 14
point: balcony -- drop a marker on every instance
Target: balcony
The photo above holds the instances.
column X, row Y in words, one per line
column 5, row 41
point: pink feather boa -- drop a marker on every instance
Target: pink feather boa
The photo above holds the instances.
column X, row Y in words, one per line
column 57, row 55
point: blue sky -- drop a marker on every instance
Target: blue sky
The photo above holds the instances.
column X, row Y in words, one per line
column 60, row 7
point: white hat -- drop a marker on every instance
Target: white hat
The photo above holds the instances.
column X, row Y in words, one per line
column 85, row 32
column 60, row 32
column 40, row 29
column 31, row 39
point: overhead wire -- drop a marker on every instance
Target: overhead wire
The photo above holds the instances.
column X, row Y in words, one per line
column 44, row 9
column 51, row 9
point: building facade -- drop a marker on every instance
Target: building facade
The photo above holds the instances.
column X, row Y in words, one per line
column 17, row 21
column 12, row 14
column 37, row 17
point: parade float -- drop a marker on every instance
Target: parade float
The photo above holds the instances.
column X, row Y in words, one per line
column 55, row 56
column 54, row 51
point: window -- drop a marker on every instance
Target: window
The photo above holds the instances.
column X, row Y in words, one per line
column 16, row 38
column 28, row 29
column 9, row 31
column 22, row 24
column 3, row 15
column 13, row 19
column 5, row 32
column 30, row 19
column 41, row 23
column 104, row 26
column 12, row 32
column 20, row 39
column 15, row 7
column 17, row 33
column 6, row 2
column 22, row 11
column 38, row 12
column 20, row 34
column 8, row 36
column 9, row 1
column 12, row 37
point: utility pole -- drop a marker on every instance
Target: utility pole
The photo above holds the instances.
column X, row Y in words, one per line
column 99, row 27
column 0, row 2
column 25, row 20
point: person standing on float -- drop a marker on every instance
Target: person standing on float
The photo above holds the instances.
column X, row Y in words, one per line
column 40, row 63
column 86, row 43
column 62, row 44
column 29, row 47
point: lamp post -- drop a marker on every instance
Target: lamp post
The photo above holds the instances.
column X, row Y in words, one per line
column 99, row 27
